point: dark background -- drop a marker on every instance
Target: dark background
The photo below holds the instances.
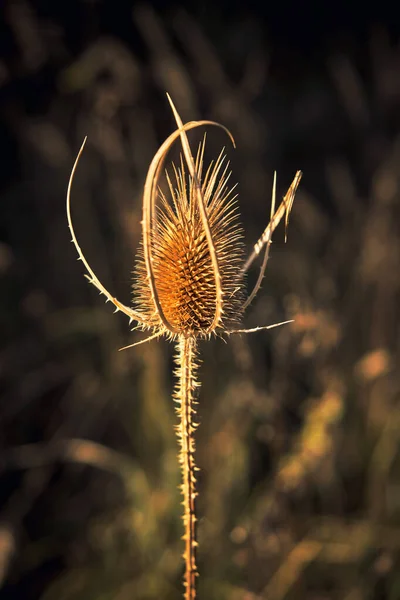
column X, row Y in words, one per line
column 299, row 438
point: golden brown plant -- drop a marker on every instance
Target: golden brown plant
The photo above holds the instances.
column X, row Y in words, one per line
column 190, row 279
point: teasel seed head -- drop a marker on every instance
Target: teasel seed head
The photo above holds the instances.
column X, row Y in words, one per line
column 190, row 271
column 184, row 274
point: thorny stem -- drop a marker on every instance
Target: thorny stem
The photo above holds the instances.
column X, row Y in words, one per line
column 184, row 396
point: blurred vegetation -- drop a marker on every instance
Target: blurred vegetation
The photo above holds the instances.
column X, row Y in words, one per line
column 299, row 438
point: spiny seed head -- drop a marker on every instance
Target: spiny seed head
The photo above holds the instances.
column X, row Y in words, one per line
column 184, row 273
column 189, row 275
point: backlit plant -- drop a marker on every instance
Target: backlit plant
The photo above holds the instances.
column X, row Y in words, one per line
column 190, row 279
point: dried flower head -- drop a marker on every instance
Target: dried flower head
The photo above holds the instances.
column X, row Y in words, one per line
column 189, row 278
column 190, row 272
column 184, row 273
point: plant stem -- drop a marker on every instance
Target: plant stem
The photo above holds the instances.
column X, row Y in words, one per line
column 185, row 398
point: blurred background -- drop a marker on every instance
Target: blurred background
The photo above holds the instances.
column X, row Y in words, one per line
column 299, row 439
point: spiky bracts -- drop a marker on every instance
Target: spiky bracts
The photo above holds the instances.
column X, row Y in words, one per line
column 189, row 278
column 184, row 274
column 185, row 398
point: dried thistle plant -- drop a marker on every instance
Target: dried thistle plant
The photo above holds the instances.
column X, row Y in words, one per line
column 190, row 280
